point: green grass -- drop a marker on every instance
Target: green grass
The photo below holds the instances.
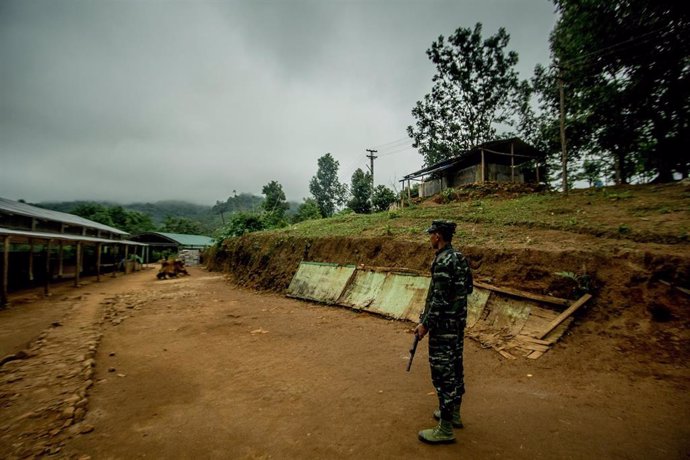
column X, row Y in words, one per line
column 638, row 213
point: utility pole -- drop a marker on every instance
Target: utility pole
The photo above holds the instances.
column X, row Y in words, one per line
column 564, row 156
column 371, row 170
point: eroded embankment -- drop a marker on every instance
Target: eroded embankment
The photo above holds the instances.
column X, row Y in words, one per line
column 632, row 301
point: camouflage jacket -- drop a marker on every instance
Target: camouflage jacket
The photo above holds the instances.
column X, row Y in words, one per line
column 451, row 283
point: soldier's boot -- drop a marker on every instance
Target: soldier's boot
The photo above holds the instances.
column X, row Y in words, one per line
column 457, row 421
column 440, row 434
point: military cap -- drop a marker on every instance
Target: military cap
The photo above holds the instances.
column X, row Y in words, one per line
column 441, row 226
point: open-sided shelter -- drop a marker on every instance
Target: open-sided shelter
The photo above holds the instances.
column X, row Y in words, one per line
column 506, row 160
column 40, row 244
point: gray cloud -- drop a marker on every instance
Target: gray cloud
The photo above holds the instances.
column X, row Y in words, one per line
column 152, row 100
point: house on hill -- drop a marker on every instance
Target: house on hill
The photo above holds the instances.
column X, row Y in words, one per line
column 41, row 244
column 506, row 160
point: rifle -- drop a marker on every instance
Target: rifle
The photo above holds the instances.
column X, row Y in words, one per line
column 413, row 350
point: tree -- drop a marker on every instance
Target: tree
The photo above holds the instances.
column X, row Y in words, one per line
column 181, row 225
column 240, row 223
column 139, row 222
column 325, row 186
column 361, row 192
column 129, row 221
column 307, row 211
column 383, row 198
column 274, row 205
column 475, row 87
column 96, row 212
column 626, row 70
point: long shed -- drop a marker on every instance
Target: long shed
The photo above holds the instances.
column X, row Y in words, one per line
column 40, row 244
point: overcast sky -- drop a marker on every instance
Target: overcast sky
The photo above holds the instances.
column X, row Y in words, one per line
column 150, row 100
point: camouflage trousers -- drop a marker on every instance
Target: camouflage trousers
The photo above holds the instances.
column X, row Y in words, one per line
column 445, row 357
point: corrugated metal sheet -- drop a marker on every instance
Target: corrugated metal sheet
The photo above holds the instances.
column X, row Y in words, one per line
column 320, row 281
column 396, row 295
column 507, row 315
column 402, row 296
column 23, row 209
column 188, row 240
column 361, row 292
column 500, row 320
column 65, row 237
column 475, row 305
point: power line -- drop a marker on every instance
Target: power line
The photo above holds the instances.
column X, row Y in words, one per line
column 612, row 48
column 388, row 144
column 393, row 152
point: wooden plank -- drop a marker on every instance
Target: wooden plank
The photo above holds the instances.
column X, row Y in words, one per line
column 534, row 347
column 527, row 295
column 527, row 338
column 535, row 354
column 563, row 316
column 683, row 290
column 505, row 354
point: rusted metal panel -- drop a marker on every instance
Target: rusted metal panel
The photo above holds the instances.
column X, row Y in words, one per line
column 396, row 295
column 402, row 296
column 361, row 292
column 507, row 315
column 499, row 318
column 475, row 305
column 321, row 282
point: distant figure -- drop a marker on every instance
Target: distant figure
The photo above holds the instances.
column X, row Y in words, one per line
column 444, row 318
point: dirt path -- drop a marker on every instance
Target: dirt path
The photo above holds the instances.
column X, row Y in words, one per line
column 197, row 368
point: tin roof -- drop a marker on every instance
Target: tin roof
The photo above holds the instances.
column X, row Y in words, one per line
column 64, row 237
column 23, row 209
column 195, row 241
column 500, row 152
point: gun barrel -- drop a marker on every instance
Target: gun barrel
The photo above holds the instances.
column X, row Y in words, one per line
column 413, row 350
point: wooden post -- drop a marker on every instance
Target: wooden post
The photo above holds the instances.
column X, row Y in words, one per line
column 98, row 261
column 77, row 268
column 537, row 172
column 116, row 252
column 126, row 257
column 482, row 171
column 46, row 283
column 60, row 258
column 512, row 162
column 5, row 269
column 31, row 259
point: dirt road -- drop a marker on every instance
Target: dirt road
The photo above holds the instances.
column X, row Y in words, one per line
column 196, row 368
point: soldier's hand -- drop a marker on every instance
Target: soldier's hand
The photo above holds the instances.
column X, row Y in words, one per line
column 421, row 330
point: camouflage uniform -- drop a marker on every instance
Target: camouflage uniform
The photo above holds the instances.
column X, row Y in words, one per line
column 445, row 315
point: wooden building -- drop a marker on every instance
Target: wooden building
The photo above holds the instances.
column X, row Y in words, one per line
column 507, row 160
column 39, row 245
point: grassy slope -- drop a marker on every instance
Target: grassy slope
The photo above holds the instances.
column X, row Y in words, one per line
column 644, row 214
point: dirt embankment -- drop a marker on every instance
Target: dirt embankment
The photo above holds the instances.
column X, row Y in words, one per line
column 634, row 309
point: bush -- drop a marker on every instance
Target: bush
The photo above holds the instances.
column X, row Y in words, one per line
column 239, row 224
column 383, row 198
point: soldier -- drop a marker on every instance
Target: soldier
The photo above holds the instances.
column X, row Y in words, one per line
column 444, row 318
